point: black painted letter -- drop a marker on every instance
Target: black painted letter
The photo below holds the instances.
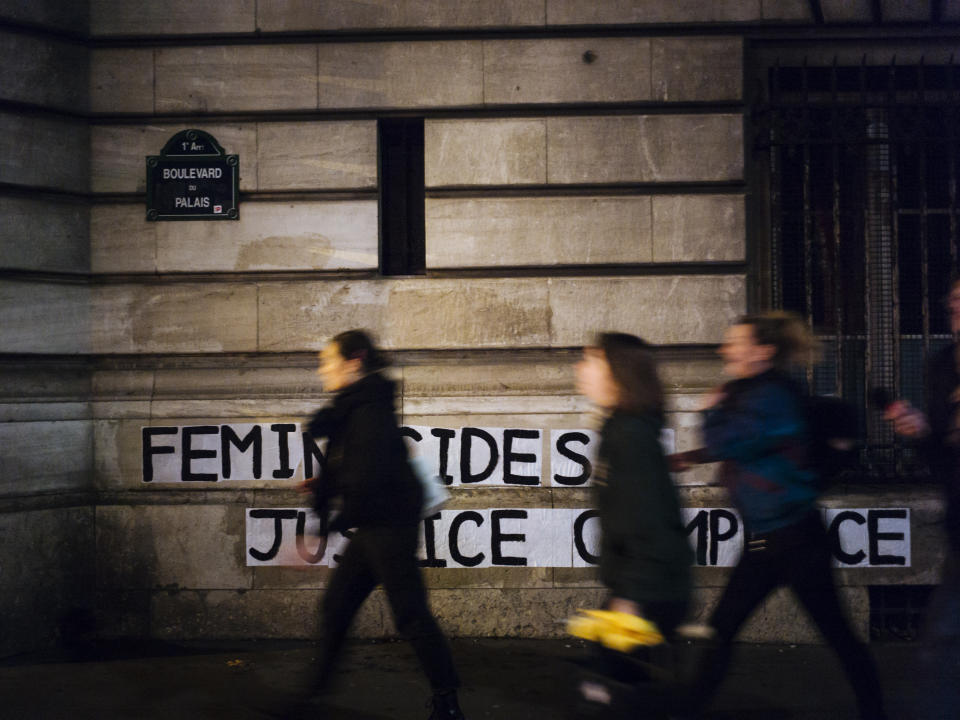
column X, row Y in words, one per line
column 510, row 457
column 562, row 448
column 149, row 450
column 466, row 440
column 454, row 531
column 228, row 437
column 278, row 517
column 283, row 430
column 188, row 454
column 497, row 538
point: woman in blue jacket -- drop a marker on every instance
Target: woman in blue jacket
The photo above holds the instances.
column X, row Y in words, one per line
column 755, row 425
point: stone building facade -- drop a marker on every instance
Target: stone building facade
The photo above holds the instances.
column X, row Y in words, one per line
column 585, row 167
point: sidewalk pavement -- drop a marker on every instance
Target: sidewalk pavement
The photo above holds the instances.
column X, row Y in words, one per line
column 502, row 678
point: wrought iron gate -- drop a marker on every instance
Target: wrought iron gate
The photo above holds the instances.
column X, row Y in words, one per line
column 862, row 166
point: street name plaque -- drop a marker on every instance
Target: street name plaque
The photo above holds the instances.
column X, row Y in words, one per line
column 192, row 179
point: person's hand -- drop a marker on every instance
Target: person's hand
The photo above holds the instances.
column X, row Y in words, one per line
column 307, row 486
column 623, row 605
column 683, row 461
column 712, row 398
column 288, row 556
column 906, row 419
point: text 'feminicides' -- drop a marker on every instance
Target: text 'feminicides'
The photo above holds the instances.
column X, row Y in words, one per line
column 468, row 456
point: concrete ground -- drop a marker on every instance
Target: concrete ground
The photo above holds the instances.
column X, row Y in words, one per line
column 513, row 679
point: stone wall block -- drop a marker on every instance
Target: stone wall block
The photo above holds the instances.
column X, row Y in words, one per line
column 476, row 379
column 787, row 10
column 510, row 612
column 537, row 231
column 782, row 617
column 306, row 15
column 408, row 314
column 118, row 454
column 320, row 155
column 236, row 78
column 835, row 11
column 566, row 71
column 689, row 378
column 44, row 235
column 620, row 12
column 33, row 381
column 692, row 228
column 306, row 235
column 121, row 80
column 121, row 239
column 500, row 577
column 143, row 547
column 259, row 383
column 303, row 316
column 171, row 17
column 485, row 152
column 646, row 148
column 61, row 310
column 174, row 318
column 47, row 560
column 697, row 69
column 897, row 11
column 479, row 313
column 40, row 71
column 284, row 613
column 123, row 614
column 687, row 309
column 118, row 153
column 45, row 456
column 32, row 152
column 74, row 17
column 400, row 74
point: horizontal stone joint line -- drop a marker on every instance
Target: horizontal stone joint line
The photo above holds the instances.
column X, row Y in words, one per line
column 450, row 112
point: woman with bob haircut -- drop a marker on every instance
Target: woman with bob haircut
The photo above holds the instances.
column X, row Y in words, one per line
column 645, row 556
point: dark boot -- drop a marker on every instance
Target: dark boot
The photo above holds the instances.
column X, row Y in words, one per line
column 446, row 707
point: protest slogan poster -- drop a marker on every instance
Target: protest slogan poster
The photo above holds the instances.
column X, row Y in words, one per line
column 568, row 537
column 482, row 537
column 470, row 456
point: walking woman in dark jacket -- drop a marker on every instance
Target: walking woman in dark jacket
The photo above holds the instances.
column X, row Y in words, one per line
column 755, row 424
column 366, row 471
column 645, row 557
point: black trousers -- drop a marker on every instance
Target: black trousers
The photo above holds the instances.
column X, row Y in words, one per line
column 387, row 556
column 797, row 557
column 939, row 658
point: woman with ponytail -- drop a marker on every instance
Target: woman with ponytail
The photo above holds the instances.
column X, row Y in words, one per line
column 755, row 425
column 366, row 471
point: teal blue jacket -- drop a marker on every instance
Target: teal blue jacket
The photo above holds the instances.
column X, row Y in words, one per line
column 759, row 430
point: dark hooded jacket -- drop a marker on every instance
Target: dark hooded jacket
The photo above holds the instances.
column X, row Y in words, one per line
column 365, row 462
column 644, row 553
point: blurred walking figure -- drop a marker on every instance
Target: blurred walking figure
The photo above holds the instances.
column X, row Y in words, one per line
column 939, row 434
column 755, row 424
column 645, row 557
column 366, row 470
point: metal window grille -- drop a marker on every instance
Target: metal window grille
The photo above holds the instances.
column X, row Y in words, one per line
column 862, row 164
column 897, row 611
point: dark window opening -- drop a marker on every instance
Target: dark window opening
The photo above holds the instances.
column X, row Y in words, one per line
column 862, row 166
column 897, row 611
column 402, row 229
